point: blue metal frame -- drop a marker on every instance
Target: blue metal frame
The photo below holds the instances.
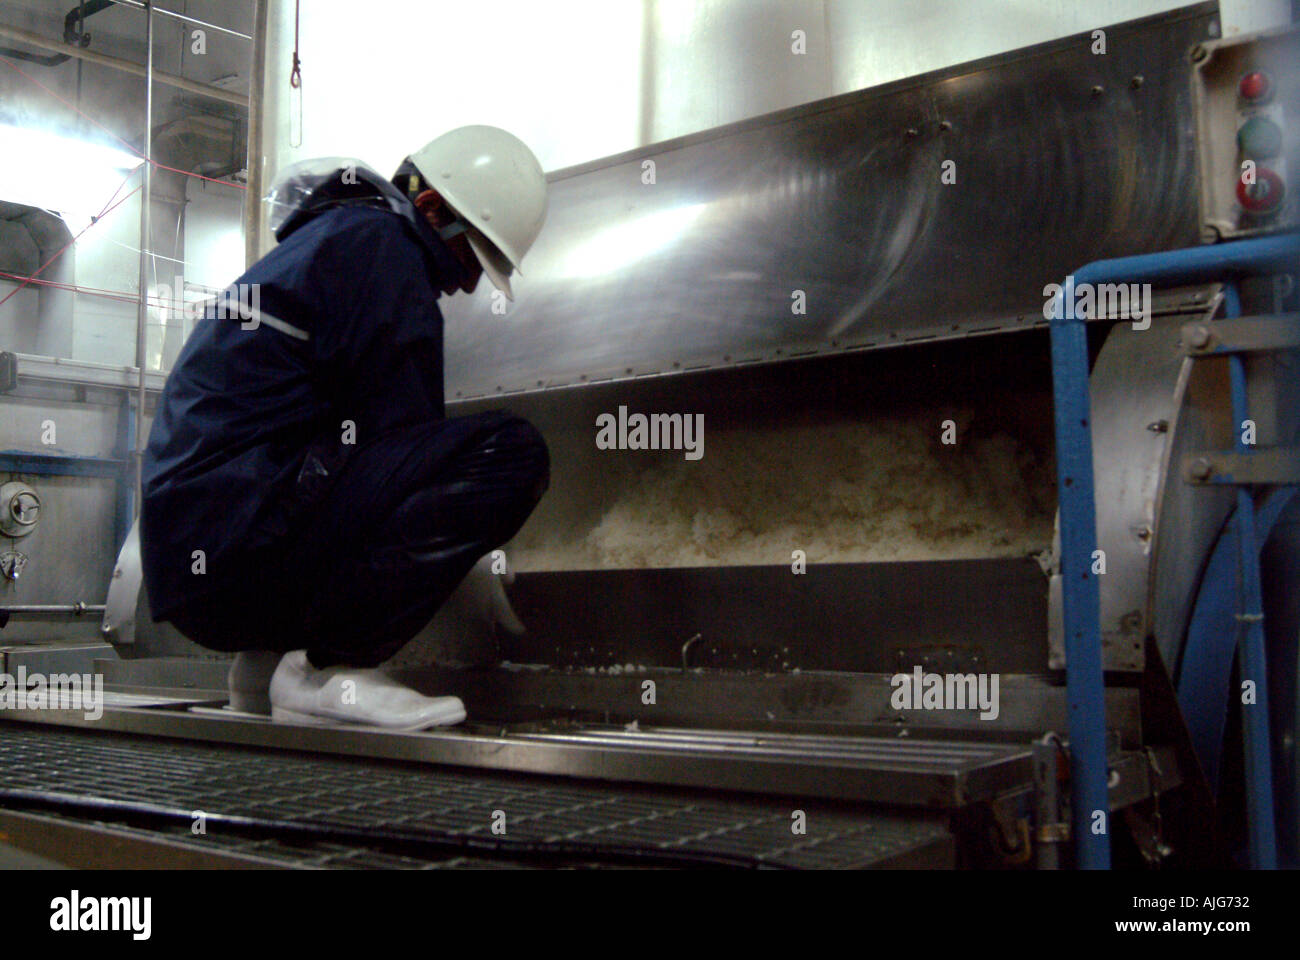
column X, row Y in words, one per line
column 1075, row 488
column 1206, row 664
column 73, row 465
column 1254, row 667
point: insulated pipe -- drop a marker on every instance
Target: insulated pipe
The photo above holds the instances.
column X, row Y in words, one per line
column 55, row 304
column 1080, row 592
column 46, row 239
column 76, row 17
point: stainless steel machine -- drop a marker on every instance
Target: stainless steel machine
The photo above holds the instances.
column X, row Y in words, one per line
column 853, row 295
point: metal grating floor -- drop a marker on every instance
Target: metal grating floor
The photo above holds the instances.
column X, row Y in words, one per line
column 360, row 793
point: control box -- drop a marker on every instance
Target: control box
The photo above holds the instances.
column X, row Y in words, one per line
column 1246, row 95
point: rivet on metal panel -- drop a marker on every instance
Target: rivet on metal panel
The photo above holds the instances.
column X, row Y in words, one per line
column 1198, row 336
column 1137, row 81
column 1098, row 90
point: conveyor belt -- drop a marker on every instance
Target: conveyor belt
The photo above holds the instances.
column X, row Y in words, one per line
column 366, row 794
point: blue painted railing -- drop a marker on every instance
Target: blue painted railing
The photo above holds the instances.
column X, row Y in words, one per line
column 1077, row 497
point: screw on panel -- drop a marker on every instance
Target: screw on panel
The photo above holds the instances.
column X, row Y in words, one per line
column 1098, row 90
column 1137, row 81
column 1201, row 469
column 1159, row 426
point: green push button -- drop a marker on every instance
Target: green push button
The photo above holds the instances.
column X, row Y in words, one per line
column 1260, row 137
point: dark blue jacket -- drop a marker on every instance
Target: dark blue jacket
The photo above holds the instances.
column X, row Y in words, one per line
column 346, row 328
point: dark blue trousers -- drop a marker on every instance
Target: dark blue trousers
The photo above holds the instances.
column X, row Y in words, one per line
column 372, row 540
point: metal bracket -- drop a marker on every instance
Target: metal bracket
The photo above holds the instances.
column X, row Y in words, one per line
column 1241, row 335
column 1267, row 465
column 1012, row 832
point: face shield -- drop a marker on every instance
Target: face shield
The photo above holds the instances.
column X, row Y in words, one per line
column 319, row 182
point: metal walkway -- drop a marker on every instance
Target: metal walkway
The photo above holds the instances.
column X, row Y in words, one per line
column 104, row 783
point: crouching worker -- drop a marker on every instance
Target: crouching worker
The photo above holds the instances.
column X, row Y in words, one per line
column 306, row 502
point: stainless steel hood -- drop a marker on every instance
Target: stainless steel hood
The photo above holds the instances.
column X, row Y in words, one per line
column 1058, row 156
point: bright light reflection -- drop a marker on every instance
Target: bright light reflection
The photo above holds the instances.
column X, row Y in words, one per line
column 623, row 244
column 75, row 178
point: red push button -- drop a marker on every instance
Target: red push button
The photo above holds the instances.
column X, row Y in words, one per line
column 1256, row 86
column 1264, row 195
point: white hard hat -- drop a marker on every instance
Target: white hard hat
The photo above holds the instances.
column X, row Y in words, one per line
column 493, row 182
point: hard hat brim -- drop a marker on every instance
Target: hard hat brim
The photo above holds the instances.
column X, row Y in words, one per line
column 493, row 261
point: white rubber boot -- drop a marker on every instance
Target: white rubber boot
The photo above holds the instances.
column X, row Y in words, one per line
column 302, row 694
column 249, row 680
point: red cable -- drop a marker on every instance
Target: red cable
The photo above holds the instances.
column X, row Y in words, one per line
column 73, row 106
column 107, row 209
column 123, row 295
column 199, row 176
column 104, row 292
column 73, row 288
column 94, row 220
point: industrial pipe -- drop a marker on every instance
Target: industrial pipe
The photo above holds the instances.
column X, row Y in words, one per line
column 76, row 17
column 117, row 63
column 51, row 609
column 146, row 242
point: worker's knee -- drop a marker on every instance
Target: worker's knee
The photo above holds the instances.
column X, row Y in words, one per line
column 523, row 451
